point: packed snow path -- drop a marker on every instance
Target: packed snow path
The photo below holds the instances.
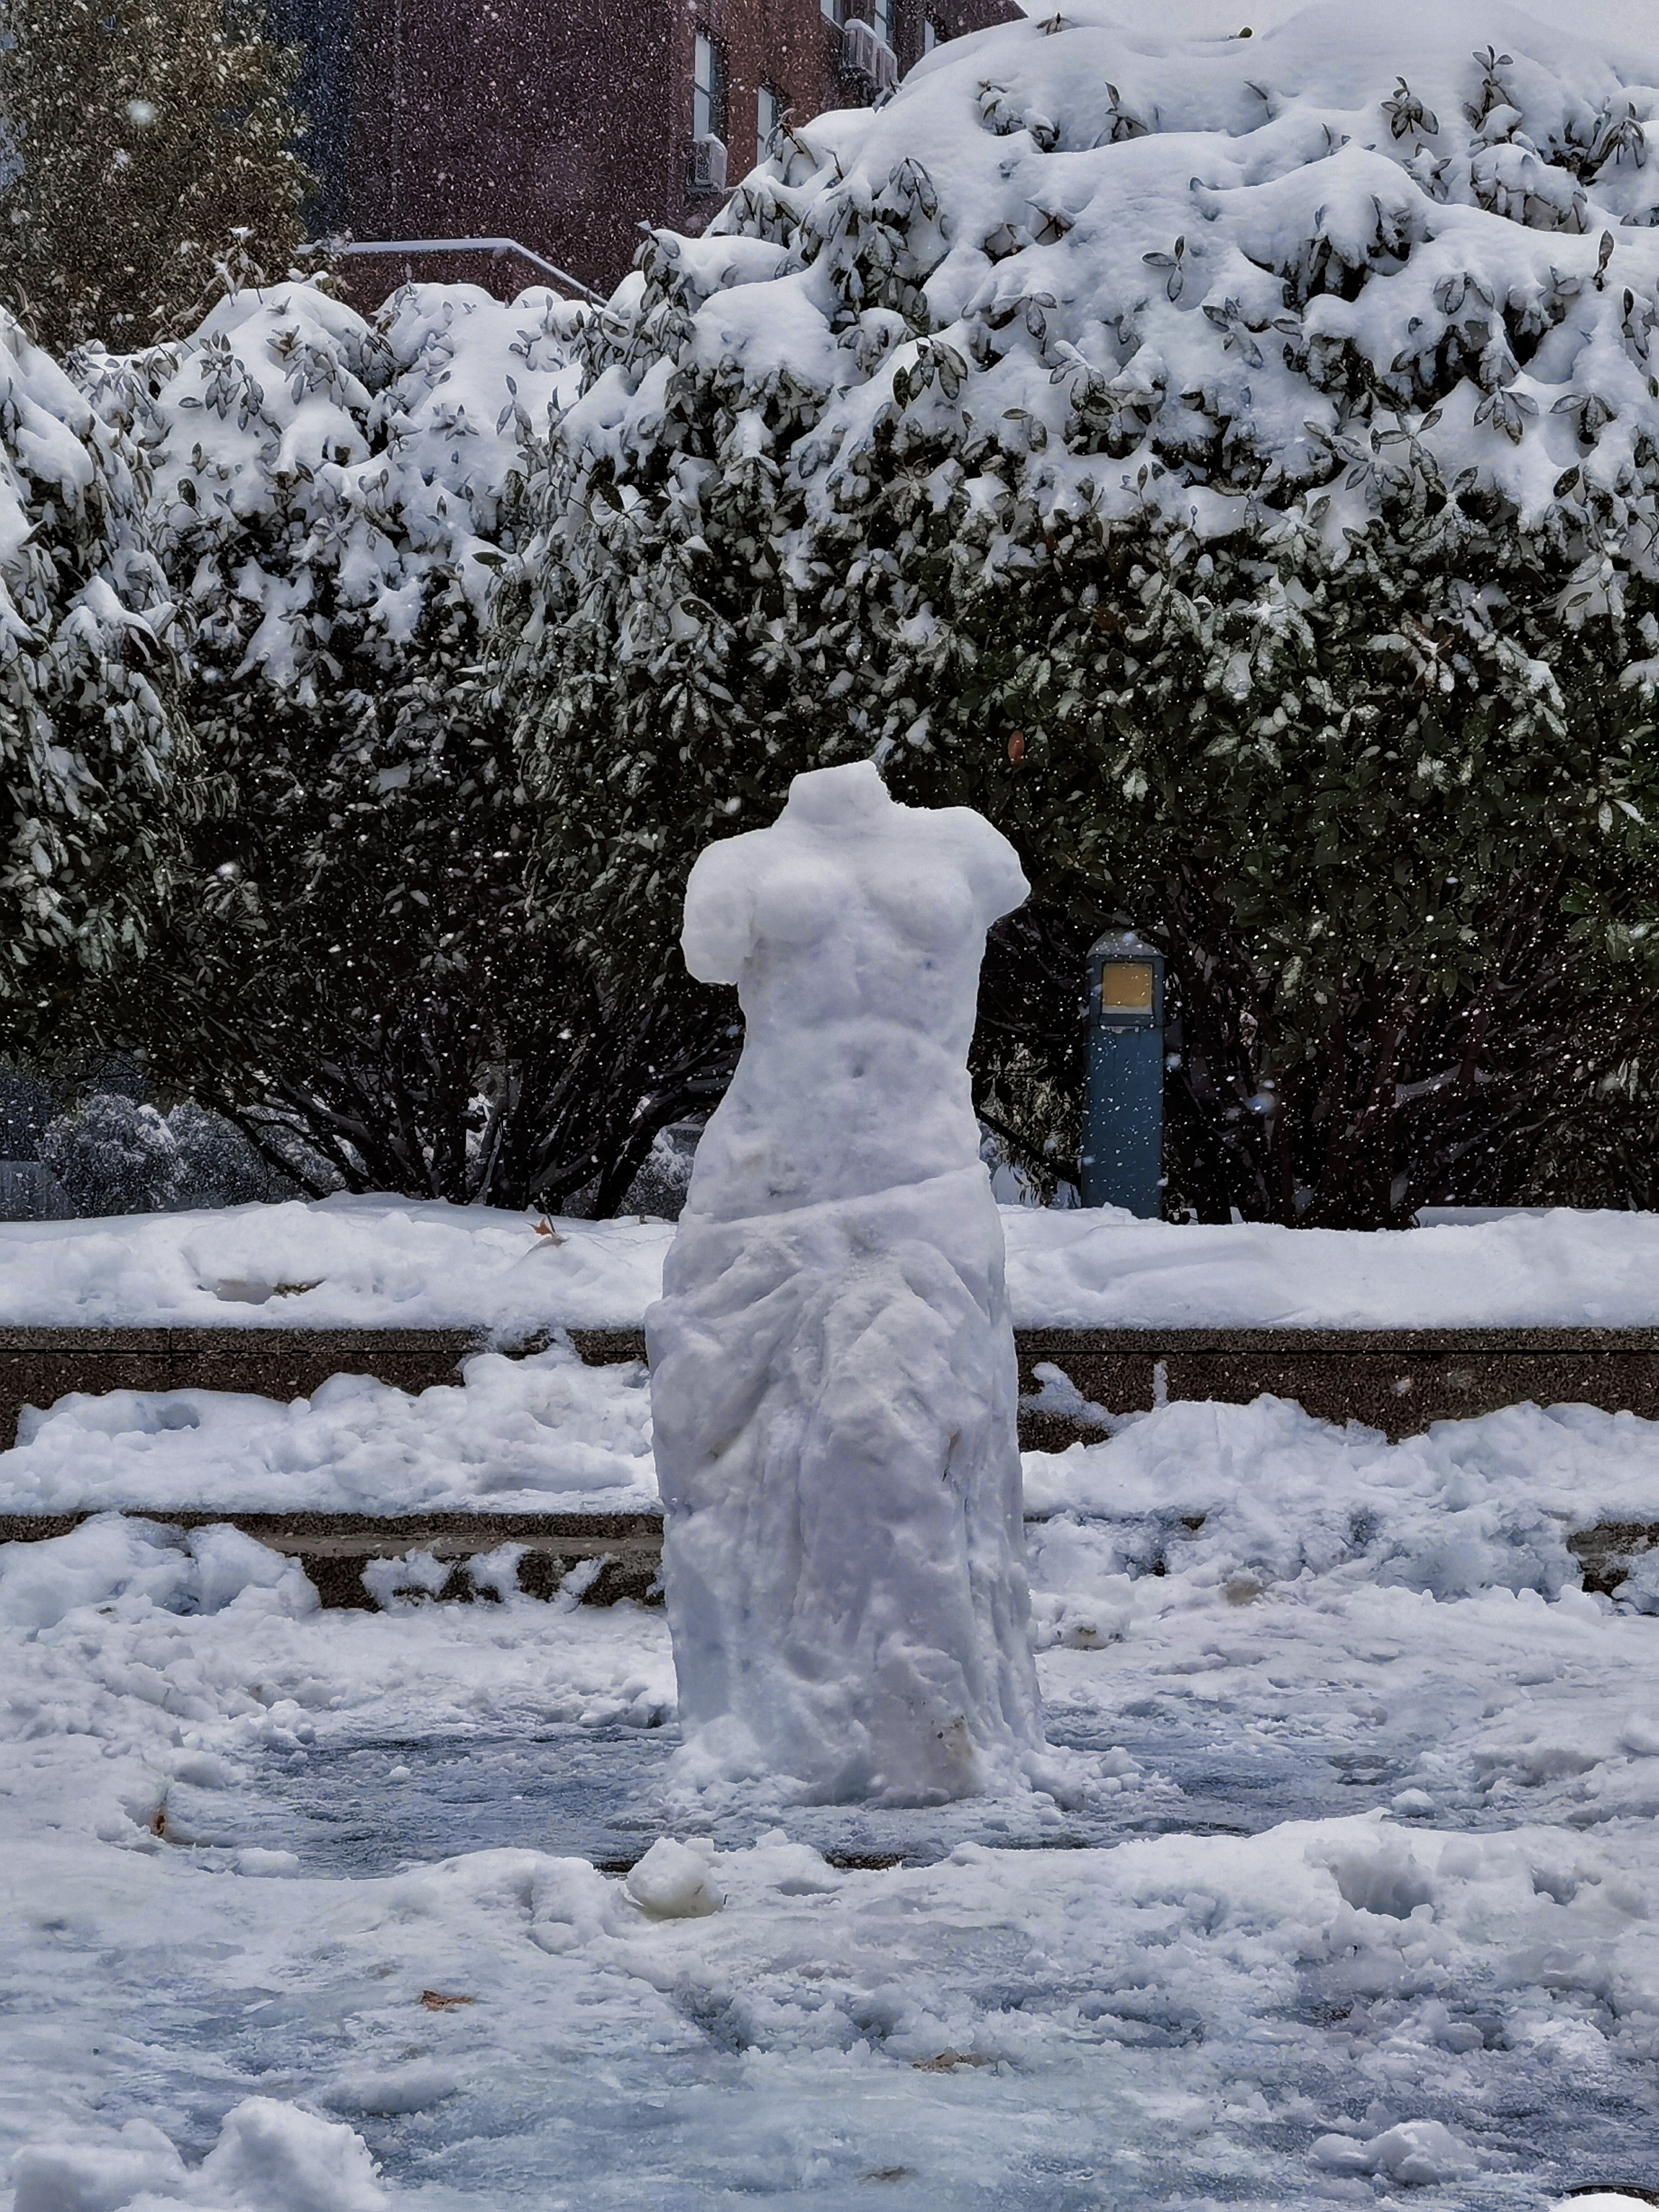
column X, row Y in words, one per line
column 1358, row 1904
column 833, row 1380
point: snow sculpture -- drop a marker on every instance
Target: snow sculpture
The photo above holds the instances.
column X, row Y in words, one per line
column 833, row 1375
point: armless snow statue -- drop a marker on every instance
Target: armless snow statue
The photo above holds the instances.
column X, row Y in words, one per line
column 832, row 1374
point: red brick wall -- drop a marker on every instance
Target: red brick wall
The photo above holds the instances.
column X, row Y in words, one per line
column 515, row 120
column 566, row 125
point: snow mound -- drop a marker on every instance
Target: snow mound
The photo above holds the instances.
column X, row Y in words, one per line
column 1084, row 1269
column 339, row 1262
column 270, row 2157
column 132, row 1568
column 516, row 1435
column 1239, row 1501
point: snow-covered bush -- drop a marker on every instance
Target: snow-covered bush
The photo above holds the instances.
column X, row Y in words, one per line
column 357, row 974
column 355, row 965
column 96, row 766
column 325, row 486
column 215, row 1166
column 658, row 1190
column 112, row 1155
column 1234, row 466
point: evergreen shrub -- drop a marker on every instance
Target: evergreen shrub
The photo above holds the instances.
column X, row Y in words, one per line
column 1233, row 468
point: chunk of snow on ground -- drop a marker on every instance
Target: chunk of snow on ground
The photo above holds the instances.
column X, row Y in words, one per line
column 1415, row 2152
column 672, row 1882
column 270, row 2157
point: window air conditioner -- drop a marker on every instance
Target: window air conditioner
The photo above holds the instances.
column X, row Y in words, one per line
column 708, row 165
column 867, row 57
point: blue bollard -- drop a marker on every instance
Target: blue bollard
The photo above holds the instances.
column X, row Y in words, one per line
column 1123, row 1112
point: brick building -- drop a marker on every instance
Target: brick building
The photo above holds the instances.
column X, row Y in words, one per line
column 562, row 128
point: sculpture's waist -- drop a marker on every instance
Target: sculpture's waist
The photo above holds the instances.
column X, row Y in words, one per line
column 940, row 1207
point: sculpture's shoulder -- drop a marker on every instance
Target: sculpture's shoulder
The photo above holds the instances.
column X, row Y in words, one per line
column 957, row 835
column 719, row 925
column 773, row 887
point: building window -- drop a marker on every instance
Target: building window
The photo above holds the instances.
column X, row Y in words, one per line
column 707, row 88
column 882, row 20
column 830, row 10
column 770, row 107
column 929, row 34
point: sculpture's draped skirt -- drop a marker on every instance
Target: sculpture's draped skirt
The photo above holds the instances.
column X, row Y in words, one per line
column 836, row 1395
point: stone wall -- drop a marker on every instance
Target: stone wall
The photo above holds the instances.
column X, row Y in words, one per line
column 1395, row 1380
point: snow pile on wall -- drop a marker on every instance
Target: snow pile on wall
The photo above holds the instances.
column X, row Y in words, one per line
column 132, row 1568
column 322, row 482
column 334, row 1262
column 349, row 1261
column 517, row 1436
column 1238, row 1500
column 1553, row 1267
column 833, row 1378
column 1107, row 268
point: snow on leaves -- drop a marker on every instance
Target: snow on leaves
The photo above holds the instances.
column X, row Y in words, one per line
column 320, row 481
column 94, row 765
column 1471, row 231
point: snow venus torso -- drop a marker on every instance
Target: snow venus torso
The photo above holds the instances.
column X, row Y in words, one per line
column 833, row 1366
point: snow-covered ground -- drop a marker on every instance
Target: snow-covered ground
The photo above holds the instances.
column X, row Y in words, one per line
column 1355, row 1900
column 397, row 1262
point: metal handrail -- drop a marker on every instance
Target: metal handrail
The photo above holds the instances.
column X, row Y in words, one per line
column 471, row 246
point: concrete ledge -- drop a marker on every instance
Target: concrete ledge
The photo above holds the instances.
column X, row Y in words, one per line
column 334, row 1548
column 607, row 1347
column 1608, row 1551
column 1398, row 1381
column 1395, row 1380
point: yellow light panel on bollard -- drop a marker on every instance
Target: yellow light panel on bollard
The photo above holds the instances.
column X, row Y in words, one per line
column 1125, row 987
